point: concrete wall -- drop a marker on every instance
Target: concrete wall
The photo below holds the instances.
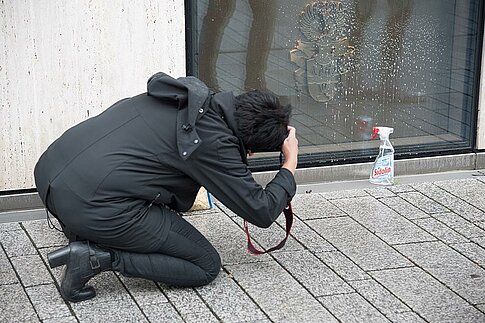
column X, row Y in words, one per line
column 64, row 61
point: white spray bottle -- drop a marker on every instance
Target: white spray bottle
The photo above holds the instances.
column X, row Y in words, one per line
column 382, row 172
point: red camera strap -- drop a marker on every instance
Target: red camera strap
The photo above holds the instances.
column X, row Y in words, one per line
column 289, row 223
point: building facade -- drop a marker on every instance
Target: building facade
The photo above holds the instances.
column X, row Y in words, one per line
column 345, row 66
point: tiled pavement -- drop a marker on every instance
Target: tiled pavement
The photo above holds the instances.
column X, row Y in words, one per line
column 407, row 253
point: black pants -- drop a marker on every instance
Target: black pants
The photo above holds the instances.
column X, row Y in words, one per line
column 178, row 255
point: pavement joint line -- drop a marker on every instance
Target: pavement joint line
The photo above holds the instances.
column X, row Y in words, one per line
column 20, row 283
column 451, row 193
column 206, row 304
column 346, row 281
column 289, row 273
column 427, row 272
column 464, row 219
column 458, row 251
column 229, row 274
column 169, row 301
column 437, row 238
column 131, row 296
column 416, row 242
column 433, row 215
column 363, row 297
column 71, row 310
column 430, row 215
column 418, row 266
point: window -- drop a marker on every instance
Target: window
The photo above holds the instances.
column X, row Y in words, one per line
column 347, row 66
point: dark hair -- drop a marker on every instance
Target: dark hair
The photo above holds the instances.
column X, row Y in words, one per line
column 261, row 120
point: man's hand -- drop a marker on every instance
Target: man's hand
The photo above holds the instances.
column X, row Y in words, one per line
column 290, row 150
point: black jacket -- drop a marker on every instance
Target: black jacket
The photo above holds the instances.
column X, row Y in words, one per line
column 160, row 147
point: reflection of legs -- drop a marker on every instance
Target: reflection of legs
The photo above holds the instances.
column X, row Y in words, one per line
column 186, row 258
column 259, row 44
column 359, row 130
column 215, row 21
column 363, row 11
column 399, row 15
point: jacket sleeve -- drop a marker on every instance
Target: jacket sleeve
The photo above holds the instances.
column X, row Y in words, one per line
column 223, row 173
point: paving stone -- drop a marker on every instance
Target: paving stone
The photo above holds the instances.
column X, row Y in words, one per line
column 404, row 208
column 188, row 303
column 437, row 290
column 342, row 265
column 162, row 312
column 380, row 192
column 225, row 209
column 426, row 296
column 228, row 301
column 43, row 236
column 314, row 206
column 124, row 310
column 48, row 302
column 407, row 317
column 312, row 273
column 480, row 224
column 227, row 237
column 400, row 188
column 10, row 226
column 352, row 308
column 480, row 178
column 143, row 291
column 472, row 251
column 344, row 194
column 479, row 241
column 450, row 267
column 7, row 274
column 451, row 201
column 16, row 243
column 440, row 230
column 379, row 297
column 383, row 221
column 200, row 317
column 423, row 202
column 309, row 238
column 357, row 243
column 65, row 319
column 31, row 270
column 202, row 212
column 108, row 287
column 459, row 224
column 16, row 307
column 278, row 294
column 469, row 190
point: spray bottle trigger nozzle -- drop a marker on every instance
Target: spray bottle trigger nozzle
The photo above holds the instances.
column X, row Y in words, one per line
column 375, row 131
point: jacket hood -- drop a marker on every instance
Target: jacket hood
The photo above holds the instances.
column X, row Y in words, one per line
column 191, row 96
column 183, row 89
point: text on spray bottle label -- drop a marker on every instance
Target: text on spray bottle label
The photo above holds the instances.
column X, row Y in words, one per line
column 383, row 167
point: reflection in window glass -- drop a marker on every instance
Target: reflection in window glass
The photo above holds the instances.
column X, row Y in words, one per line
column 347, row 66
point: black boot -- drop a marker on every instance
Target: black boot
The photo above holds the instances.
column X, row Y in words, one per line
column 83, row 261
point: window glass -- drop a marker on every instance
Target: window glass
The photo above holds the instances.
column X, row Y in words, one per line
column 347, row 66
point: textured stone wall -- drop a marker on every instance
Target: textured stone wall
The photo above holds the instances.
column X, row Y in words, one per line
column 62, row 62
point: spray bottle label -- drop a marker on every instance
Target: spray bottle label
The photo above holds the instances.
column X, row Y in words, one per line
column 384, row 167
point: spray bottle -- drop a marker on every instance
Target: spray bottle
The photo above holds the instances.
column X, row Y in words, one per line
column 383, row 169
